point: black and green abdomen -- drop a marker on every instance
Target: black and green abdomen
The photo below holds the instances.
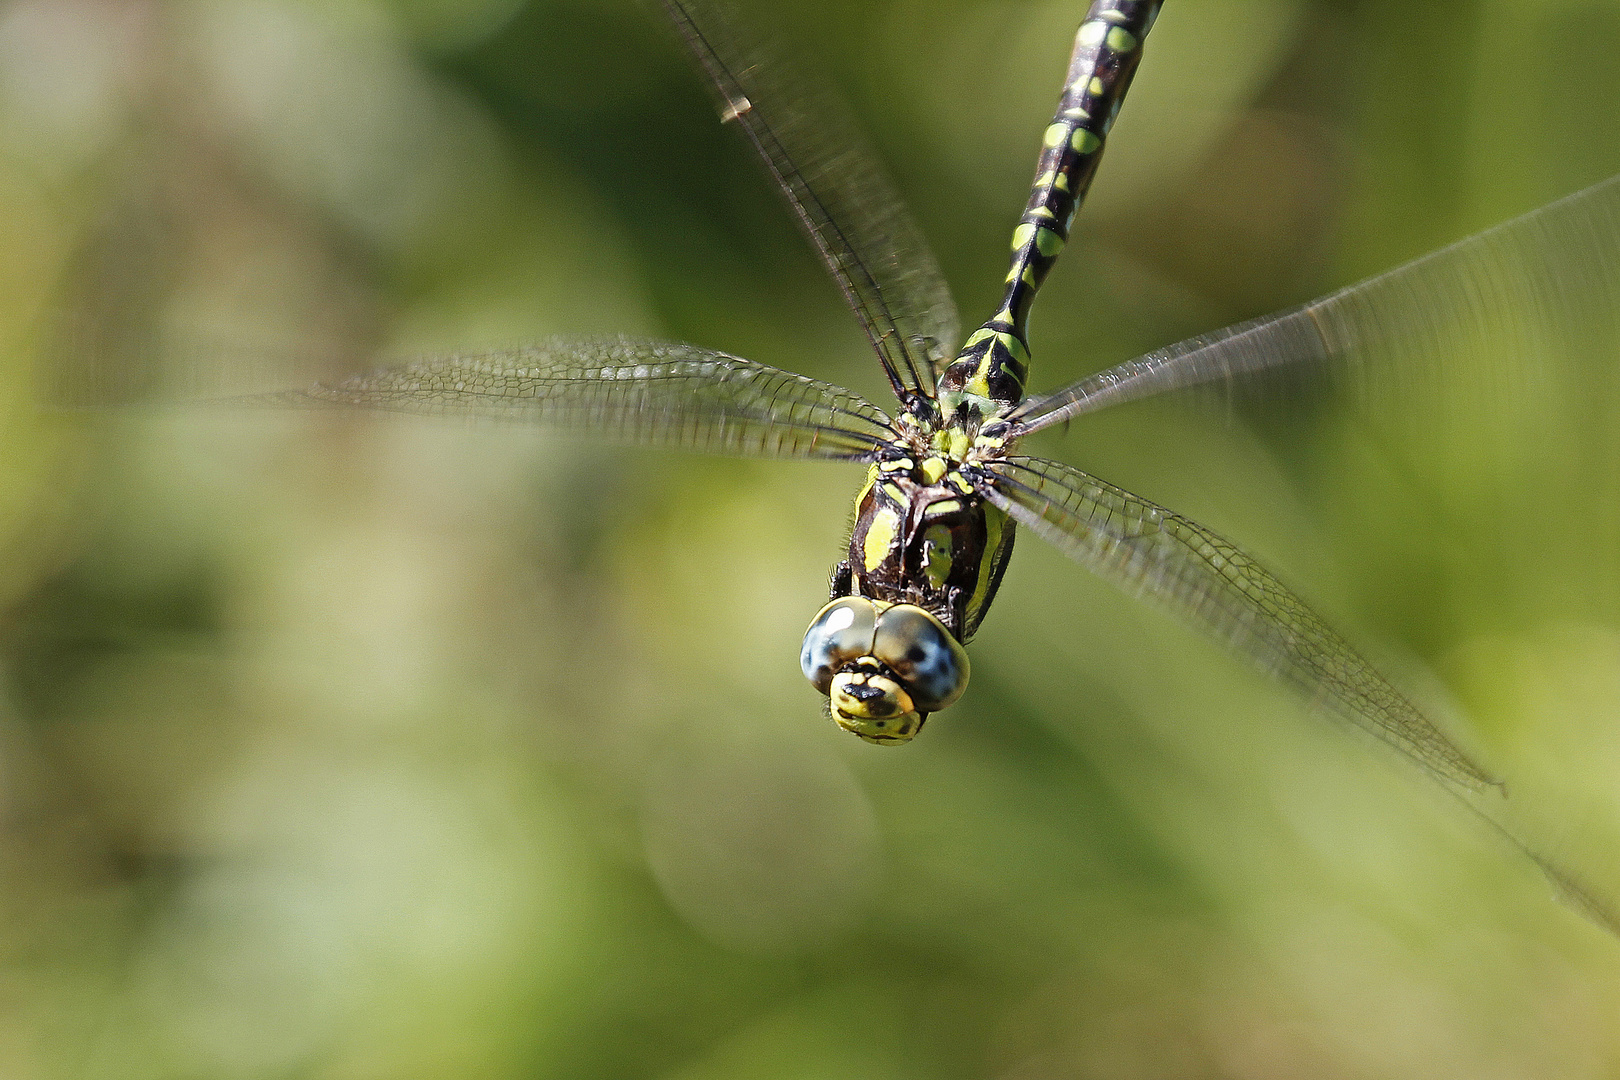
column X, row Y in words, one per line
column 990, row 372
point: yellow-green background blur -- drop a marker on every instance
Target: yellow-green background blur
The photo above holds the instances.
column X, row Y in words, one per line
column 340, row 747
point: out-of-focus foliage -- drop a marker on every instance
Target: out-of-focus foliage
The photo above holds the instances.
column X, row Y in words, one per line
column 338, row 747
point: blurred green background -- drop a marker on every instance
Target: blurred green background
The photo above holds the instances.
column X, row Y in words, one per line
column 343, row 747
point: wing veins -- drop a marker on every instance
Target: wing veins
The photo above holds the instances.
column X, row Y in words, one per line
column 842, row 258
column 637, row 391
column 1538, row 285
column 1154, row 552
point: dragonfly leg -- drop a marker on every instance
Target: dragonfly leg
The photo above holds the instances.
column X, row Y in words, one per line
column 843, row 580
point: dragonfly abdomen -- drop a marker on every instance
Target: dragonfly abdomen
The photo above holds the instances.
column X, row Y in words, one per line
column 991, row 370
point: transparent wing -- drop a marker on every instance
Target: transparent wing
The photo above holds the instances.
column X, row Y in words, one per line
column 1155, row 553
column 1541, row 286
column 841, row 196
column 645, row 392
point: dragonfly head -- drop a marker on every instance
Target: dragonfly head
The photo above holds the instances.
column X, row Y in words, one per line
column 884, row 666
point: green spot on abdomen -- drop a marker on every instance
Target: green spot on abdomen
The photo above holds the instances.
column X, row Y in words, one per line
column 1121, row 40
column 1084, row 141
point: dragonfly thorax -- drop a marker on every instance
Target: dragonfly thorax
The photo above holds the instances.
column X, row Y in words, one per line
column 923, row 535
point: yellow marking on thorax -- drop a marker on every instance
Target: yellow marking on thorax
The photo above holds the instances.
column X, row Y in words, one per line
column 989, row 442
column 995, row 525
column 866, row 488
column 880, row 538
column 938, row 546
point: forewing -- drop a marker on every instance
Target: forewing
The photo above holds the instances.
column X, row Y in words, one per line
column 1152, row 552
column 1489, row 313
column 626, row 391
column 841, row 196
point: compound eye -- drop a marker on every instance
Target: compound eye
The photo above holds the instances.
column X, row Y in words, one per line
column 923, row 655
column 839, row 633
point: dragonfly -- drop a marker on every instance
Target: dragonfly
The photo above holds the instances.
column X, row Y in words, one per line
column 946, row 490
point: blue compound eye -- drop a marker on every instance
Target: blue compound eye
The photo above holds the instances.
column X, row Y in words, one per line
column 840, row 632
column 922, row 654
